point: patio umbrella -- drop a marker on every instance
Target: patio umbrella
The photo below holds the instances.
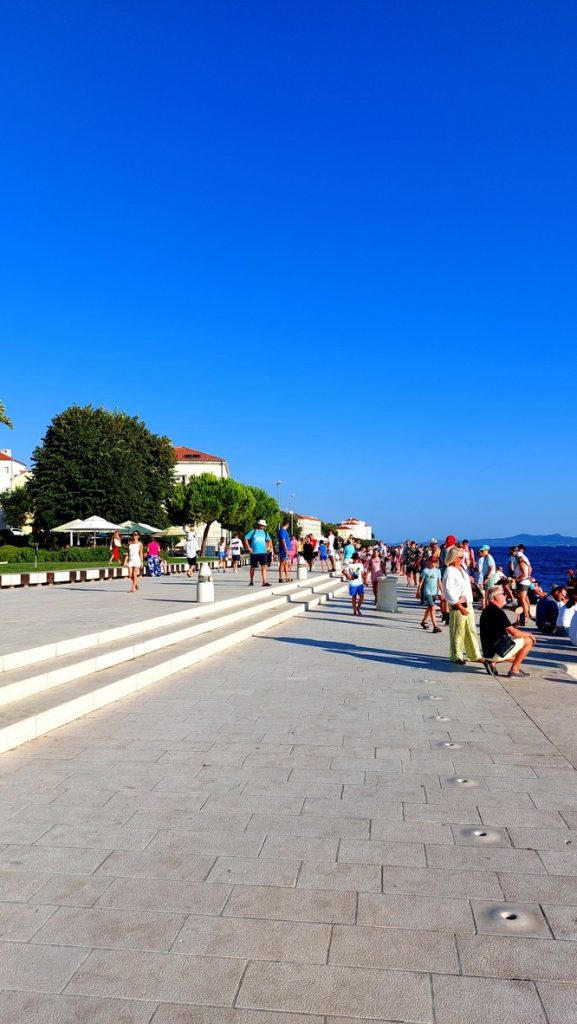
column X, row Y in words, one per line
column 67, row 527
column 171, row 532
column 139, row 527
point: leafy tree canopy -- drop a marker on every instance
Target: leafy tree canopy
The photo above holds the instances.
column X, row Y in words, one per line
column 4, row 417
column 97, row 462
column 17, row 505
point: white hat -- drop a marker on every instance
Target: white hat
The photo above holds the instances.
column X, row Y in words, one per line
column 261, row 522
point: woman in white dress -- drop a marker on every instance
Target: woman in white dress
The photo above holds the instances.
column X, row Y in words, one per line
column 134, row 560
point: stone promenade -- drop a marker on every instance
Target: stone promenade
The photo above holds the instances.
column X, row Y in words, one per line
column 330, row 823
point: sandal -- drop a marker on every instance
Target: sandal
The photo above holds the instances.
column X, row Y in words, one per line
column 437, row 630
column 424, row 625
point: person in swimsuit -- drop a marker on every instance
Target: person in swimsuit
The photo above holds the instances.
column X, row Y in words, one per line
column 134, row 560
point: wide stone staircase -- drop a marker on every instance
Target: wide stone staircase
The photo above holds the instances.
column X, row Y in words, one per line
column 42, row 688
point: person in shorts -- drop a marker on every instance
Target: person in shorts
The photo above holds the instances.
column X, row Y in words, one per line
column 494, row 625
column 236, row 552
column 430, row 588
column 258, row 544
column 191, row 551
column 356, row 574
column 284, row 553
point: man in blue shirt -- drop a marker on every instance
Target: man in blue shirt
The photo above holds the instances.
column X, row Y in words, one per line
column 284, row 553
column 258, row 542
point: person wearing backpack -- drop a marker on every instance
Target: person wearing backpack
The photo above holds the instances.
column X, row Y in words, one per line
column 258, row 543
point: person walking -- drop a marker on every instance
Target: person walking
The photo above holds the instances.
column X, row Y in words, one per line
column 464, row 645
column 309, row 551
column 191, row 551
column 284, row 553
column 258, row 543
column 430, row 588
column 236, row 552
column 376, row 570
column 331, row 550
column 153, row 558
column 115, row 545
column 134, row 560
column 222, row 555
column 501, row 641
column 357, row 576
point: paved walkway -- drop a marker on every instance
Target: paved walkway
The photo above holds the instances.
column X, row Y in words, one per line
column 34, row 616
column 328, row 824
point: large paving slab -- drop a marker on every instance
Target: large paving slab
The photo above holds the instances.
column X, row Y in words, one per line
column 329, row 824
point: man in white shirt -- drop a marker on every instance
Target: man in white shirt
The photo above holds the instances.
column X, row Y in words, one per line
column 464, row 645
column 191, row 551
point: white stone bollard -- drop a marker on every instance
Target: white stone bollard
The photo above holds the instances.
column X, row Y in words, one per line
column 338, row 564
column 204, row 585
column 387, row 594
column 302, row 571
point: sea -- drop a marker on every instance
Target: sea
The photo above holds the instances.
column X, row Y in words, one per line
column 550, row 564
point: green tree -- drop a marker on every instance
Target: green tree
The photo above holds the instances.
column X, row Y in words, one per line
column 4, row 417
column 177, row 506
column 97, row 462
column 203, row 502
column 237, row 504
column 17, row 505
column 265, row 507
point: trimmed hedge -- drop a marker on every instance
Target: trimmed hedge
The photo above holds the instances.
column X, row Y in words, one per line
column 12, row 554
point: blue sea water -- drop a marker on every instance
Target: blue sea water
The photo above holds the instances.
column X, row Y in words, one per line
column 550, row 565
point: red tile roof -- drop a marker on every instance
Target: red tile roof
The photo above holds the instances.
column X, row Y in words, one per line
column 189, row 454
column 10, row 458
column 315, row 518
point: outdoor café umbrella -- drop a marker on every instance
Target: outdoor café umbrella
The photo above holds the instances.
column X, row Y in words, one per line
column 139, row 527
column 172, row 532
column 94, row 524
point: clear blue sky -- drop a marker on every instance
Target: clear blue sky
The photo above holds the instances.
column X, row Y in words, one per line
column 332, row 242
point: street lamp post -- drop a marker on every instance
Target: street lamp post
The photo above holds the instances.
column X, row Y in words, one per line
column 278, row 483
column 292, row 496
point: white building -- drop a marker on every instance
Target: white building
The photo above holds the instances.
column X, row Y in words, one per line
column 10, row 468
column 357, row 527
column 309, row 524
column 190, row 462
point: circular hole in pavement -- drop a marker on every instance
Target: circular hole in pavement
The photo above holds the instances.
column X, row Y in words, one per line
column 442, row 718
column 462, row 780
column 448, row 744
column 507, row 915
column 477, row 833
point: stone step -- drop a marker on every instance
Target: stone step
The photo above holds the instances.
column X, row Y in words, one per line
column 25, row 682
column 63, row 647
column 40, row 712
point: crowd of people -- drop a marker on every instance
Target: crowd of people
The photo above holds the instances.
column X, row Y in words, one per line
column 450, row 578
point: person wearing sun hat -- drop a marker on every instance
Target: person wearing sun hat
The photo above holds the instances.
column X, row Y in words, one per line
column 257, row 543
column 464, row 645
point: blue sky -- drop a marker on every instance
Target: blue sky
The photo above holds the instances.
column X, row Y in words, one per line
column 332, row 242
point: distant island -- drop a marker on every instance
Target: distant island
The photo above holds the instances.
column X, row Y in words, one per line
column 549, row 540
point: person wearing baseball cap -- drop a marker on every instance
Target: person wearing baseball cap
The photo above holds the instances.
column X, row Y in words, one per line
column 258, row 543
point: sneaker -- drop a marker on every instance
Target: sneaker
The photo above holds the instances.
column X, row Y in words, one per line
column 516, row 675
column 267, row 584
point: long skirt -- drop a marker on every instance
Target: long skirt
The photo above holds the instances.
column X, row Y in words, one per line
column 463, row 636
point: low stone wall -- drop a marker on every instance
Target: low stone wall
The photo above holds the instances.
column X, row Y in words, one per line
column 34, row 578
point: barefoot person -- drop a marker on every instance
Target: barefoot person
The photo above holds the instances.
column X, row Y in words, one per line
column 357, row 576
column 499, row 639
column 134, row 560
